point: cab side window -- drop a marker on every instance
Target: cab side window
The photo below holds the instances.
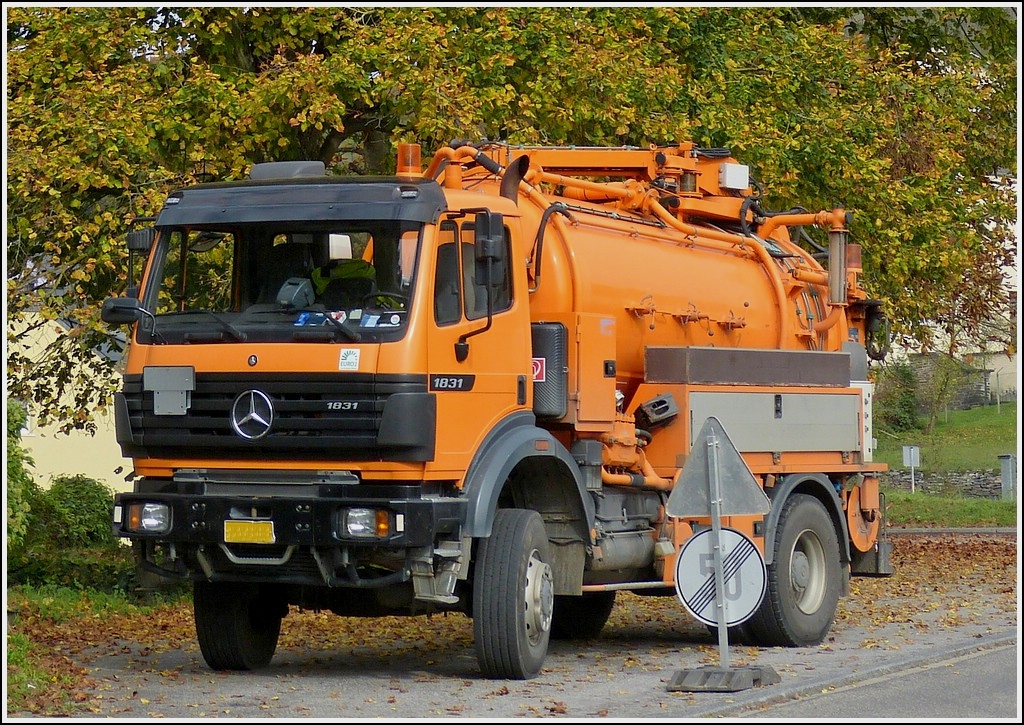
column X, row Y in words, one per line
column 197, row 273
column 460, row 287
column 474, row 279
column 447, row 290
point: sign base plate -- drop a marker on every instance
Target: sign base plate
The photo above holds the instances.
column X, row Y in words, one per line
column 722, row 679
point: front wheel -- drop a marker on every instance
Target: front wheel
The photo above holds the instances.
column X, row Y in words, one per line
column 513, row 596
column 237, row 627
column 804, row 579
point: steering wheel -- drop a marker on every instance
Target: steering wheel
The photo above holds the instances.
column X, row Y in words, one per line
column 385, row 300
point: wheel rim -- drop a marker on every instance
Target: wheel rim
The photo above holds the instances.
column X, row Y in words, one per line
column 807, row 572
column 540, row 598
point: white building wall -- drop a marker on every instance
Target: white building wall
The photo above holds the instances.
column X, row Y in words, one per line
column 1005, row 373
column 96, row 456
column 76, row 453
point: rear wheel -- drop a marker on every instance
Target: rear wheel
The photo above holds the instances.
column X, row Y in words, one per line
column 581, row 617
column 237, row 625
column 513, row 596
column 804, row 579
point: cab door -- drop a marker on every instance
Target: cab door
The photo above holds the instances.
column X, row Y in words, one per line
column 479, row 365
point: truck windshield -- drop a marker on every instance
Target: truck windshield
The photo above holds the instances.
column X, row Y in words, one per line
column 338, row 282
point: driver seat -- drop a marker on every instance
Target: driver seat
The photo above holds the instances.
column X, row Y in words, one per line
column 343, row 284
column 285, row 261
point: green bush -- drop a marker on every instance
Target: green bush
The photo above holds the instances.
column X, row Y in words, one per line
column 98, row 569
column 895, row 400
column 82, row 510
column 19, row 480
column 68, row 539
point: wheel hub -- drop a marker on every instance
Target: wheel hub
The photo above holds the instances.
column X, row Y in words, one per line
column 540, row 597
column 800, row 570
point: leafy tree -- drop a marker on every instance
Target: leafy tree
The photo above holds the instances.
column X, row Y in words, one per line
column 938, row 388
column 895, row 402
column 19, row 478
column 905, row 116
column 952, row 158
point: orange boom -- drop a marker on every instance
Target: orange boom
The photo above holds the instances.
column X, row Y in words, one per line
column 473, row 387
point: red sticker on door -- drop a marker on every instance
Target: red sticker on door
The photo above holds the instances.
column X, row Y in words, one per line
column 540, row 367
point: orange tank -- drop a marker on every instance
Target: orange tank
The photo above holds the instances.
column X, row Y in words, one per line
column 673, row 243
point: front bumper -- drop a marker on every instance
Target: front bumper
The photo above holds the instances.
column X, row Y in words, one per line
column 289, row 533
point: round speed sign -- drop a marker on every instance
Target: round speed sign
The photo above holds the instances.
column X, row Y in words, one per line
column 743, row 572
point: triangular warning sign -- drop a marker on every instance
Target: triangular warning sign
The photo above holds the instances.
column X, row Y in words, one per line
column 738, row 488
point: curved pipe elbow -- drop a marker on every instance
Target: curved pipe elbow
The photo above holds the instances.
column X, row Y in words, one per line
column 834, row 220
column 636, row 480
column 448, row 154
column 830, row 321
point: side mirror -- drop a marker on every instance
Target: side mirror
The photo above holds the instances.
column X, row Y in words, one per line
column 121, row 310
column 489, row 237
column 140, row 240
column 489, row 253
column 489, row 246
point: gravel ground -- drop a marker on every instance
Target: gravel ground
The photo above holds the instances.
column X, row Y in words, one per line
column 415, row 668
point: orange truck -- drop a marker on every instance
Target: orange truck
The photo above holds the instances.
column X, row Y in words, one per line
column 472, row 387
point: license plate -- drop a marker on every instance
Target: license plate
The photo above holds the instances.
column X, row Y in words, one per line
column 249, row 532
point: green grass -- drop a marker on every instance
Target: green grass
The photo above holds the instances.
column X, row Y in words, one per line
column 62, row 604
column 927, row 510
column 968, row 440
column 38, row 674
column 26, row 675
column 965, row 440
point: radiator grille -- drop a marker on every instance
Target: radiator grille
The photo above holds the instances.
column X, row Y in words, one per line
column 313, row 415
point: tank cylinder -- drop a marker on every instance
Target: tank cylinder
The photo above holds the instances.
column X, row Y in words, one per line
column 623, row 550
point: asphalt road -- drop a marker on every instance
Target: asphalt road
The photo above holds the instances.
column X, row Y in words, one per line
column 974, row 682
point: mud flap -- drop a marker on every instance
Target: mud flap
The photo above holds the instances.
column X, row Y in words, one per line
column 875, row 562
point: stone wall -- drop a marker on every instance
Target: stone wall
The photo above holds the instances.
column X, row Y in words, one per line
column 973, row 484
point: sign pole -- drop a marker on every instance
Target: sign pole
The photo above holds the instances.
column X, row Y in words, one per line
column 715, row 481
column 715, row 497
column 912, row 458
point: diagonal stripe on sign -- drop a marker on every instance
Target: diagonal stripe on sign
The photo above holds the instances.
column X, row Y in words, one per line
column 731, row 564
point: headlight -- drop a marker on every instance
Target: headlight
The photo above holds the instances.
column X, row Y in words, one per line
column 148, row 518
column 365, row 523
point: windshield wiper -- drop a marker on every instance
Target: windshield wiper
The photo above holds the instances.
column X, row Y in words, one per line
column 237, row 334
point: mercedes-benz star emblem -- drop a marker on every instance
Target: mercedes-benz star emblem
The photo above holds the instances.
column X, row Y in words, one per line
column 252, row 414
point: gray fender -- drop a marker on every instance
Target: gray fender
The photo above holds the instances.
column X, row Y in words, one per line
column 511, row 441
column 822, row 489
